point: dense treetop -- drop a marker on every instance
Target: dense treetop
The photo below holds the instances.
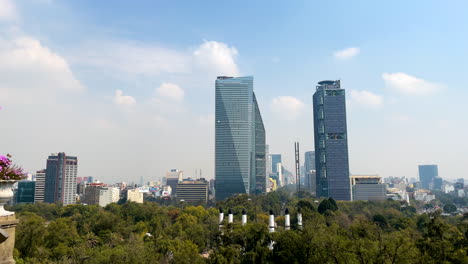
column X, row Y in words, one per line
column 333, row 232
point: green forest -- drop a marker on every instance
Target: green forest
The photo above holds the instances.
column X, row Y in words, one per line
column 333, row 232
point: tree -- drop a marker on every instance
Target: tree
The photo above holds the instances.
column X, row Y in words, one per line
column 450, row 208
column 324, row 206
column 333, row 203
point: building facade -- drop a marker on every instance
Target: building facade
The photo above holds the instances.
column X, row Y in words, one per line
column 239, row 139
column 331, row 142
column 368, row 188
column 134, row 195
column 173, row 177
column 25, row 192
column 60, row 180
column 108, row 195
column 40, row 186
column 193, row 190
column 427, row 173
column 91, row 193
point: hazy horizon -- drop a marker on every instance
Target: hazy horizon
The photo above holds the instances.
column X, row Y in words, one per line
column 128, row 87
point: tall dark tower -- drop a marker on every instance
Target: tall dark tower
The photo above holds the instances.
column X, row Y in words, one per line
column 331, row 141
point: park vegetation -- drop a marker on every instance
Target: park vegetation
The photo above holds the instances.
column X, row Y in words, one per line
column 333, row 232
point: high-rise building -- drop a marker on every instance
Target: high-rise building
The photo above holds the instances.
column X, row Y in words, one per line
column 309, row 161
column 172, row 178
column 239, row 139
column 60, row 181
column 193, row 190
column 275, row 159
column 331, row 143
column 25, row 192
column 426, row 175
column 40, row 186
column 368, row 188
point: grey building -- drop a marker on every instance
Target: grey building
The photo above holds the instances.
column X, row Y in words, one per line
column 309, row 161
column 427, row 173
column 193, row 190
column 437, row 183
column 60, row 180
column 239, row 139
column 368, row 188
column 331, row 142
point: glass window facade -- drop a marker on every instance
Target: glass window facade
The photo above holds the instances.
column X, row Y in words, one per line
column 426, row 174
column 239, row 138
column 331, row 143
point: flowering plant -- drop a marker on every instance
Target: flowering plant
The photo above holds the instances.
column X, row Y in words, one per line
column 9, row 171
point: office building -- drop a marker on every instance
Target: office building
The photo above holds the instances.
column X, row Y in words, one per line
column 426, row 175
column 92, row 192
column 134, row 195
column 368, row 188
column 25, row 192
column 60, row 182
column 239, row 139
column 331, row 142
column 437, row 183
column 193, row 190
column 275, row 159
column 172, row 178
column 108, row 195
column 309, row 161
column 310, row 182
column 40, row 186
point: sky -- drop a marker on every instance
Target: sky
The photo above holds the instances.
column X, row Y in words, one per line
column 128, row 86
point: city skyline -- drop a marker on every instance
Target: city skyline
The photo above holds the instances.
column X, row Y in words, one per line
column 114, row 89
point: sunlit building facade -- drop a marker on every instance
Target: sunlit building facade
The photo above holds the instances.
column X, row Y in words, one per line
column 331, row 141
column 240, row 165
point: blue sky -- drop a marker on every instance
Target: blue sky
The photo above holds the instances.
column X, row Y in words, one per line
column 128, row 86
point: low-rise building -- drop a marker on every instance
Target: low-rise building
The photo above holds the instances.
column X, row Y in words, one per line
column 368, row 188
column 108, row 195
column 193, row 190
column 134, row 195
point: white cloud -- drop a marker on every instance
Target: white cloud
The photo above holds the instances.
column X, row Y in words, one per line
column 121, row 99
column 171, row 91
column 346, row 53
column 287, row 107
column 31, row 72
column 131, row 58
column 211, row 57
column 7, row 10
column 366, row 98
column 217, row 57
column 410, row 85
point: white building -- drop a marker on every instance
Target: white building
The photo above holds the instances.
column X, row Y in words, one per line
column 40, row 186
column 424, row 196
column 134, row 195
column 108, row 195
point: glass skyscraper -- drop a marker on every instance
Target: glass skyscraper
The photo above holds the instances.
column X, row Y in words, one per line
column 239, row 139
column 426, row 174
column 331, row 142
